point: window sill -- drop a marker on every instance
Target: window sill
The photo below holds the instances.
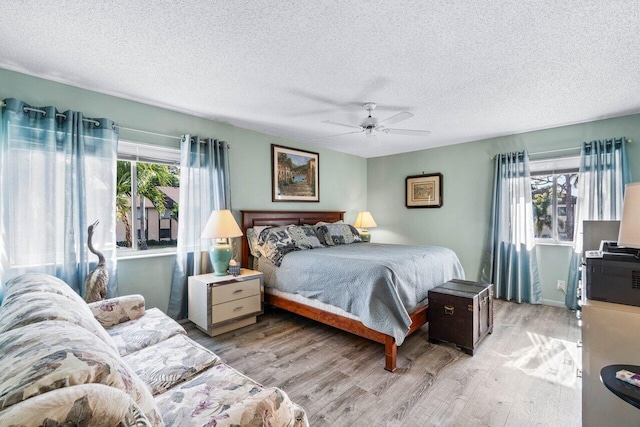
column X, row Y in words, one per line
column 149, row 253
column 552, row 243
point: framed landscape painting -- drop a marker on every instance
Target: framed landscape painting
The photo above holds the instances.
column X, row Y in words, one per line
column 294, row 175
column 424, row 191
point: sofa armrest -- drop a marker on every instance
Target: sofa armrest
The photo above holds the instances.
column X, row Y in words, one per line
column 117, row 310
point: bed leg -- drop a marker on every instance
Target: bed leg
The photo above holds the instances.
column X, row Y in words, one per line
column 390, row 353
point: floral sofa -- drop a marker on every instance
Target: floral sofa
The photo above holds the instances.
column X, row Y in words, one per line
column 113, row 363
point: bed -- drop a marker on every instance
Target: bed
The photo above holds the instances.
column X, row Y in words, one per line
column 410, row 315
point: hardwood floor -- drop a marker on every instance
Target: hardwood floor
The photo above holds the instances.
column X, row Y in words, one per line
column 523, row 374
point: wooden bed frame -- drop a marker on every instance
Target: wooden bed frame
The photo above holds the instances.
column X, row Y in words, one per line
column 252, row 219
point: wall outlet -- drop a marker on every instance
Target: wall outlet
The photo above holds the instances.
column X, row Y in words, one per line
column 562, row 286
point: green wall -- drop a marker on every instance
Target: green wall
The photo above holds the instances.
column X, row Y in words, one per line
column 343, row 177
column 346, row 182
column 462, row 223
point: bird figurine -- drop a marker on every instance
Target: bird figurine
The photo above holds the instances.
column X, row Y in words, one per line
column 95, row 285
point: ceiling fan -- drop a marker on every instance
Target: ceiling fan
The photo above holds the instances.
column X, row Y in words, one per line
column 371, row 125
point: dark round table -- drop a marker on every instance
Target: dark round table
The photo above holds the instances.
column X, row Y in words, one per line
column 625, row 391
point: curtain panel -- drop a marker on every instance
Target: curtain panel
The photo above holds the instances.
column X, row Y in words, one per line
column 204, row 187
column 604, row 171
column 57, row 174
column 510, row 262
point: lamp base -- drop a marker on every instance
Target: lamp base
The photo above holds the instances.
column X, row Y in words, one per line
column 365, row 236
column 220, row 255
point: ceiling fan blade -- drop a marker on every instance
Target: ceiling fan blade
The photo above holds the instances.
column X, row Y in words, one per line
column 340, row 134
column 411, row 132
column 342, row 124
column 397, row 118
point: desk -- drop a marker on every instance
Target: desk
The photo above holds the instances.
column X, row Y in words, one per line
column 606, row 332
column 625, row 391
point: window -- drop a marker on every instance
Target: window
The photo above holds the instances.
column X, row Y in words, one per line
column 554, row 191
column 149, row 180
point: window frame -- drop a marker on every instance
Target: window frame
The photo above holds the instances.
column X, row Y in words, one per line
column 134, row 153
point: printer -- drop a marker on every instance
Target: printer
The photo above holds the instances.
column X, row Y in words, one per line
column 613, row 274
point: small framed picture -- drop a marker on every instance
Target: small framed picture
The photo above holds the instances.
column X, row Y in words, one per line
column 424, row 191
column 294, row 175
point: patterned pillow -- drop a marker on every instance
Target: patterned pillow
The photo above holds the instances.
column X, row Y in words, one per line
column 304, row 236
column 337, row 234
column 275, row 243
column 252, row 238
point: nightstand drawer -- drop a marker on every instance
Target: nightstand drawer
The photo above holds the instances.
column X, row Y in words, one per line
column 237, row 308
column 234, row 291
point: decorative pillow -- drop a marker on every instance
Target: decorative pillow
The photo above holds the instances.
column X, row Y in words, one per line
column 327, row 223
column 304, row 236
column 252, row 238
column 337, row 234
column 113, row 311
column 275, row 243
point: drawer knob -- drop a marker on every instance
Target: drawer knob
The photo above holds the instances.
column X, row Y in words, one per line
column 448, row 309
column 237, row 291
column 238, row 308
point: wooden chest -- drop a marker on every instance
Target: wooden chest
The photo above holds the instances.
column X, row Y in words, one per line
column 461, row 312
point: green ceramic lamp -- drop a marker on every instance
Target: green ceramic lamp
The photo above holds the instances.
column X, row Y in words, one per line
column 364, row 221
column 220, row 226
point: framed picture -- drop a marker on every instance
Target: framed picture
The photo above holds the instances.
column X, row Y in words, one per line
column 294, row 175
column 424, row 191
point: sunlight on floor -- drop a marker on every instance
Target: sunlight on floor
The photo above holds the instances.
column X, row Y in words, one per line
column 551, row 359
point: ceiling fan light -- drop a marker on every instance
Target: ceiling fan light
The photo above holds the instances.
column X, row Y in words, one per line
column 370, row 132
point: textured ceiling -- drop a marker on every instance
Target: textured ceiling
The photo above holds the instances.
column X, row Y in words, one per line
column 467, row 70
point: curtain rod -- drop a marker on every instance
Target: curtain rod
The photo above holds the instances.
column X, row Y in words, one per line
column 97, row 123
column 44, row 113
column 149, row 133
column 629, row 140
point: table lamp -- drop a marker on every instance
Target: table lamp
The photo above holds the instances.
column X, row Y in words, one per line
column 629, row 236
column 364, row 221
column 220, row 226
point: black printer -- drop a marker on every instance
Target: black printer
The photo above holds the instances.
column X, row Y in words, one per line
column 613, row 276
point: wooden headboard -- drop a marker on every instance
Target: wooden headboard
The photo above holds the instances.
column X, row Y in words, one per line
column 252, row 219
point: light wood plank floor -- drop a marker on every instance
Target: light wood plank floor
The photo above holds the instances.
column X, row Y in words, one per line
column 523, row 374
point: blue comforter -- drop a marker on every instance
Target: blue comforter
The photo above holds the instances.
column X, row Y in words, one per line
column 381, row 284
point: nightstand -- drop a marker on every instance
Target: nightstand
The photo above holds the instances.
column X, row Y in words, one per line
column 219, row 304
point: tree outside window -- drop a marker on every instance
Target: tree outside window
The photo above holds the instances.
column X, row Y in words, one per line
column 554, row 199
column 154, row 191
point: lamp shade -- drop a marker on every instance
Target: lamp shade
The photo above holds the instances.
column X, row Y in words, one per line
column 221, row 224
column 364, row 220
column 630, row 224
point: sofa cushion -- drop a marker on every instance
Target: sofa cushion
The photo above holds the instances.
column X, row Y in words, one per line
column 153, row 327
column 35, row 297
column 49, row 355
column 221, row 396
column 90, row 405
column 167, row 363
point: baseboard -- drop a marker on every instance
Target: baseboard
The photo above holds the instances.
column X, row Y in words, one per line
column 554, row 303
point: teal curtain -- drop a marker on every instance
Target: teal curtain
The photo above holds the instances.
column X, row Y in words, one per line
column 204, row 187
column 57, row 174
column 604, row 171
column 510, row 262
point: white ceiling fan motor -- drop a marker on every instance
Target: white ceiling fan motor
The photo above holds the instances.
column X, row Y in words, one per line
column 371, row 125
